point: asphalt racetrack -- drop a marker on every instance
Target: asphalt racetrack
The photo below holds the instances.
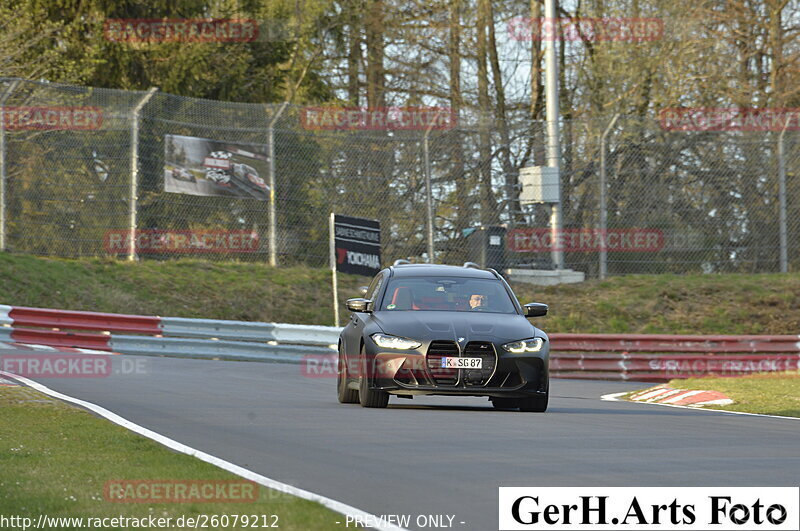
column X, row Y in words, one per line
column 436, row 455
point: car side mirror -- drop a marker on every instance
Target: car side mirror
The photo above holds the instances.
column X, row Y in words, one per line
column 535, row 309
column 363, row 290
column 359, row 305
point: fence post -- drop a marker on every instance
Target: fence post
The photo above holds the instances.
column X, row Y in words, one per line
column 782, row 200
column 3, row 176
column 273, row 219
column 603, row 207
column 134, row 191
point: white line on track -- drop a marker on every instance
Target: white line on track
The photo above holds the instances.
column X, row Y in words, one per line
column 331, row 504
column 38, row 347
column 614, row 397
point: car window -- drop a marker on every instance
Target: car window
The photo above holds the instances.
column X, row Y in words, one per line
column 374, row 287
column 447, row 294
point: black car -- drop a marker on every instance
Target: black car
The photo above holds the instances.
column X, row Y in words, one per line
column 425, row 329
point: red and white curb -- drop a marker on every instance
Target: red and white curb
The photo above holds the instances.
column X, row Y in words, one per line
column 617, row 397
column 664, row 394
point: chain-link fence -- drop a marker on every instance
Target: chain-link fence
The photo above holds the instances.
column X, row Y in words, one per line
column 86, row 172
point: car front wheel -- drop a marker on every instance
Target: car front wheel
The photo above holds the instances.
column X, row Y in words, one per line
column 534, row 404
column 366, row 396
column 504, row 403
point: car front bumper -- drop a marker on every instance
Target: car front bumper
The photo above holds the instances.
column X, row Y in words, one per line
column 415, row 373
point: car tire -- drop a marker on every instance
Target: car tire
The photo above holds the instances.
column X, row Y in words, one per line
column 366, row 396
column 345, row 394
column 534, row 404
column 504, row 403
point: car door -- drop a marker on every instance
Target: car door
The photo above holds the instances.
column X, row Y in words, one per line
column 355, row 327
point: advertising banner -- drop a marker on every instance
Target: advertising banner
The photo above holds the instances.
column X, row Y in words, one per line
column 358, row 245
column 199, row 166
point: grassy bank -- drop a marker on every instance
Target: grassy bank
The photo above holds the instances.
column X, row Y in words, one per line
column 710, row 304
column 57, row 459
column 767, row 394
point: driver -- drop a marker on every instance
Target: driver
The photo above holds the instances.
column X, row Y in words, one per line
column 477, row 301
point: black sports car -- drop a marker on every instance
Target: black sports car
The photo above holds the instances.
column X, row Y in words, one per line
column 424, row 329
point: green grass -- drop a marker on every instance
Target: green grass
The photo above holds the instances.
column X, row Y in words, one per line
column 55, row 460
column 183, row 288
column 672, row 304
column 767, row 393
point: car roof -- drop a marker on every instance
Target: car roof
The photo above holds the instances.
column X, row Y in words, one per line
column 436, row 270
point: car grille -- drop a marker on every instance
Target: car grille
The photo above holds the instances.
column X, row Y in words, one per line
column 437, row 351
column 485, row 351
column 470, row 377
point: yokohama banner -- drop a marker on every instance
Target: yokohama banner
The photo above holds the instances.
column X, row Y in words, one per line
column 358, row 245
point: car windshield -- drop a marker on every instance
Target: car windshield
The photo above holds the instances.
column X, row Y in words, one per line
column 454, row 294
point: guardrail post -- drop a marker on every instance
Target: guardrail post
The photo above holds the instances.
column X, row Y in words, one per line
column 134, row 189
column 3, row 176
column 603, row 201
column 273, row 219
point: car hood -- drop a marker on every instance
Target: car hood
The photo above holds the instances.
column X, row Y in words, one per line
column 441, row 325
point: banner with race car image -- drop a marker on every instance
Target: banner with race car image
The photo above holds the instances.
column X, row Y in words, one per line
column 200, row 166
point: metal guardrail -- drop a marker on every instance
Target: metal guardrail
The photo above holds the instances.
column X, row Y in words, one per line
column 166, row 336
column 74, row 320
column 205, row 348
column 658, row 357
column 183, row 327
column 245, row 330
column 641, row 357
column 675, row 343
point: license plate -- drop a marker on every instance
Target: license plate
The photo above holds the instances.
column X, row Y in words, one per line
column 462, row 363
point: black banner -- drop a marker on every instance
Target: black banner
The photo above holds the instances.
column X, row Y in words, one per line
column 358, row 245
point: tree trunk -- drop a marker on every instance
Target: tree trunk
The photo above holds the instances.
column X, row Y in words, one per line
column 462, row 213
column 484, row 136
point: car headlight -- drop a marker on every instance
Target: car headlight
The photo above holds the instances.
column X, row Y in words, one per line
column 525, row 345
column 387, row 341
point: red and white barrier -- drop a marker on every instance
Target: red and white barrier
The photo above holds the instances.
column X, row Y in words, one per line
column 638, row 357
column 43, row 327
column 657, row 357
column 72, row 320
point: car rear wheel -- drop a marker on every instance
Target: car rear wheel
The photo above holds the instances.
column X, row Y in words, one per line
column 346, row 395
column 366, row 396
column 534, row 404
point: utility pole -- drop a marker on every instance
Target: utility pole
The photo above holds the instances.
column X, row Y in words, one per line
column 553, row 144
